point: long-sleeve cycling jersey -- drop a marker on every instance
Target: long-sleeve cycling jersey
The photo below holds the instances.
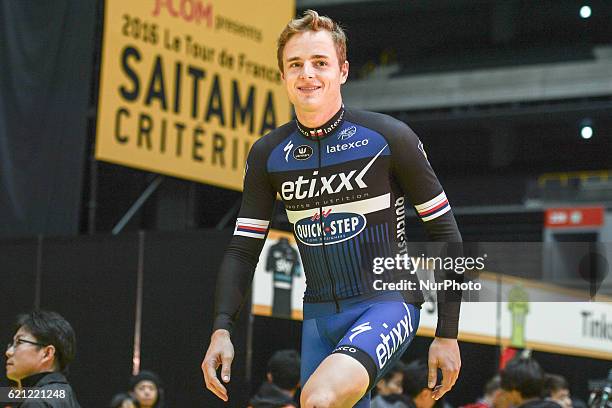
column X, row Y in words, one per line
column 344, row 186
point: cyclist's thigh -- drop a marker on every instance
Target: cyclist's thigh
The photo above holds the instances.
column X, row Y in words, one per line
column 315, row 347
column 379, row 337
column 339, row 379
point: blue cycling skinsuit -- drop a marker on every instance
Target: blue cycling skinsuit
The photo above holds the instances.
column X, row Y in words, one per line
column 344, row 186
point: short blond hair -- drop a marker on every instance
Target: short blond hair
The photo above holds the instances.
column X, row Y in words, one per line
column 312, row 21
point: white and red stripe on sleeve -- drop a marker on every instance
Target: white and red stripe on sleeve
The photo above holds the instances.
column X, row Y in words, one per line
column 433, row 208
column 251, row 227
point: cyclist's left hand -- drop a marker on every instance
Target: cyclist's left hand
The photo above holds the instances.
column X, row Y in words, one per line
column 443, row 354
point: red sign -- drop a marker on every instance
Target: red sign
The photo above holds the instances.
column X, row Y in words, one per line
column 574, row 217
column 188, row 10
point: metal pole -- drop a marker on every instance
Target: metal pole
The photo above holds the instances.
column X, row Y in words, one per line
column 249, row 349
column 138, row 317
column 498, row 329
column 137, row 204
column 93, row 195
column 38, row 284
column 229, row 215
column 92, row 118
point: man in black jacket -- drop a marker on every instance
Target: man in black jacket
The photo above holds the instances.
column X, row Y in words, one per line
column 283, row 377
column 42, row 348
column 522, row 382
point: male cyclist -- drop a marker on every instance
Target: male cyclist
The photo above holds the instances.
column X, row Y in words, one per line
column 344, row 176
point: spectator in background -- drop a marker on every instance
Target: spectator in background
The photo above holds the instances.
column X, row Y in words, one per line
column 283, row 378
column 556, row 389
column 522, row 383
column 124, row 400
column 415, row 385
column 491, row 392
column 43, row 346
column 389, row 389
column 148, row 389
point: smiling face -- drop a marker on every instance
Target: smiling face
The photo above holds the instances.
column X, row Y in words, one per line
column 312, row 73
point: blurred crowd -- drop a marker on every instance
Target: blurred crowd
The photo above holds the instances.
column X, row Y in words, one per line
column 39, row 355
column 43, row 345
column 145, row 390
column 522, row 383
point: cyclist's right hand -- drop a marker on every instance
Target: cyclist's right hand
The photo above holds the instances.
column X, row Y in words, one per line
column 220, row 353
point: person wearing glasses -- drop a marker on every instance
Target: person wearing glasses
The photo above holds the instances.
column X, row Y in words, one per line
column 38, row 357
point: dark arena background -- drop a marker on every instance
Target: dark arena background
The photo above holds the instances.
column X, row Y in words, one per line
column 121, row 226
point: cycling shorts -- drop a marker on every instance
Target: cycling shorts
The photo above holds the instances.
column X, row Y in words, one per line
column 375, row 330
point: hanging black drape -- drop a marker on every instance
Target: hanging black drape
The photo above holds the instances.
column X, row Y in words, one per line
column 46, row 50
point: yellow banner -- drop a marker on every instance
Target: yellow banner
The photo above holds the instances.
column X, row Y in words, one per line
column 187, row 86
